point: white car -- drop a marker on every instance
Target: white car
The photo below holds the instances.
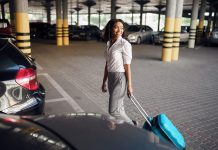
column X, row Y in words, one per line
column 184, row 35
column 138, row 34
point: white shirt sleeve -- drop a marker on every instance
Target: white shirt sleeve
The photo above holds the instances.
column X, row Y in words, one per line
column 127, row 53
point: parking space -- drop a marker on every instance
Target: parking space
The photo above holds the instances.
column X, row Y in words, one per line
column 185, row 90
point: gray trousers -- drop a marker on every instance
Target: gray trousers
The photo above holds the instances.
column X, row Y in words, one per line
column 117, row 90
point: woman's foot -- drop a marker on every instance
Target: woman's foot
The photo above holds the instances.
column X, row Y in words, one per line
column 135, row 123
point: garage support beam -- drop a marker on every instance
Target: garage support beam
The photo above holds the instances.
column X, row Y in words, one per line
column 209, row 19
column 113, row 9
column 22, row 26
column 168, row 31
column 202, row 12
column 48, row 13
column 3, row 10
column 192, row 32
column 59, row 22
column 65, row 23
column 12, row 17
column 177, row 30
column 201, row 21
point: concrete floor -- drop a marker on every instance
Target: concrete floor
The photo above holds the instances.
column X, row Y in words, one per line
column 186, row 90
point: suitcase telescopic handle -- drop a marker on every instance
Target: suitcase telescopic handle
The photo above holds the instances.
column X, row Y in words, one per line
column 141, row 110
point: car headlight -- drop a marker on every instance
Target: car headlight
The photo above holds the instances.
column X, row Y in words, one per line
column 132, row 37
column 19, row 107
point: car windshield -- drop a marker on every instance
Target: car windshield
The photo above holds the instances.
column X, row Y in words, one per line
column 134, row 28
column 215, row 29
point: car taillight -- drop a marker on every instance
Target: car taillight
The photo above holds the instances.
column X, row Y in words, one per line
column 26, row 77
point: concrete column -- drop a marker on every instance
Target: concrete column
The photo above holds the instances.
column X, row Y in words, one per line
column 65, row 23
column 12, row 16
column 202, row 12
column 77, row 10
column 113, row 9
column 48, row 13
column 215, row 22
column 99, row 18
column 59, row 23
column 3, row 10
column 192, row 32
column 209, row 19
column 71, row 17
column 89, row 4
column 177, row 30
column 22, row 26
column 168, row 31
column 141, row 3
column 159, row 7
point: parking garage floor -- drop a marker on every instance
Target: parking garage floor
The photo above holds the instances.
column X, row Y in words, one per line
column 186, row 90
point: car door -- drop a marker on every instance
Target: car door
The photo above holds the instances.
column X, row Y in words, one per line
column 149, row 33
column 143, row 33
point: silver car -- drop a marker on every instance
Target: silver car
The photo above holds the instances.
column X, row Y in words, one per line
column 212, row 37
column 138, row 34
column 184, row 35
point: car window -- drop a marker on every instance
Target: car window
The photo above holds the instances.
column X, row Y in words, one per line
column 148, row 28
column 215, row 29
column 133, row 28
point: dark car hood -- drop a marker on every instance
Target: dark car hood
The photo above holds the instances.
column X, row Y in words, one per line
column 99, row 132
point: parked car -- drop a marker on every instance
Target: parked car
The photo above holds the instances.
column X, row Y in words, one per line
column 20, row 91
column 51, row 33
column 39, row 29
column 86, row 32
column 184, row 35
column 5, row 27
column 82, row 131
column 138, row 34
column 212, row 37
column 8, row 37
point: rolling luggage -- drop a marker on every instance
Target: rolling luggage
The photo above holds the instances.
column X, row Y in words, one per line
column 161, row 126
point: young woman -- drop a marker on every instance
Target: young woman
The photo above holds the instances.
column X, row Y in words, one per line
column 118, row 55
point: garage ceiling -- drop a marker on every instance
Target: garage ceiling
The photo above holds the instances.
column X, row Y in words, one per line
column 124, row 6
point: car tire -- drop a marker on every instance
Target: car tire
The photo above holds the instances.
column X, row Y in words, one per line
column 138, row 40
column 152, row 40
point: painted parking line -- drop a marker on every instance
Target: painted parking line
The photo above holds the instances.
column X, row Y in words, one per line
column 55, row 100
column 66, row 96
column 38, row 66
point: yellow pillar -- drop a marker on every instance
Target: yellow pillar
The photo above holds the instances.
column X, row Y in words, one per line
column 176, row 39
column 59, row 23
column 168, row 31
column 59, row 32
column 22, row 26
column 65, row 32
column 65, row 24
column 177, row 30
column 168, row 40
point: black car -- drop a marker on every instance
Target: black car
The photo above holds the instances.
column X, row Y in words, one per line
column 86, row 32
column 212, row 37
column 39, row 29
column 82, row 131
column 20, row 91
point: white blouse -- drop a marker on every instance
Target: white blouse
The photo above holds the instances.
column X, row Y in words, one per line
column 117, row 55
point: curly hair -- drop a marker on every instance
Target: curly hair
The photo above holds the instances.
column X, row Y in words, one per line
column 109, row 27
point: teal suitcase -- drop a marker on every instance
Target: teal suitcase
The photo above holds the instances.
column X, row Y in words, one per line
column 161, row 126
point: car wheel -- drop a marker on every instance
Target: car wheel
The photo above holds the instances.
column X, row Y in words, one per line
column 138, row 40
column 152, row 40
column 88, row 37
